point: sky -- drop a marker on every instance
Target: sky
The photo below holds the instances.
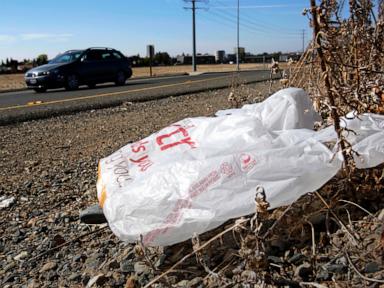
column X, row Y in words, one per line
column 29, row 28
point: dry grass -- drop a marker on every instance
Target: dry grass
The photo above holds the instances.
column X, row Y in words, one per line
column 16, row 81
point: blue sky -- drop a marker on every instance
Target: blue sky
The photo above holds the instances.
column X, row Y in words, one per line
column 29, row 28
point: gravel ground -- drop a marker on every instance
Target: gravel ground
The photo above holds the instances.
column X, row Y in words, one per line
column 48, row 174
column 49, row 167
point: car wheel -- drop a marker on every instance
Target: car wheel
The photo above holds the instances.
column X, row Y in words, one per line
column 72, row 82
column 120, row 78
column 40, row 89
column 91, row 85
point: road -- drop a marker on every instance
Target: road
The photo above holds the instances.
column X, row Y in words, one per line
column 28, row 105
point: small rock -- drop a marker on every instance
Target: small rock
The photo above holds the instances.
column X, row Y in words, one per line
column 74, row 277
column 21, row 256
column 57, row 241
column 140, row 267
column 372, row 267
column 118, row 278
column 131, row 282
column 297, row 259
column 304, row 271
column 323, row 275
column 342, row 260
column 160, row 261
column 182, row 284
column 79, row 258
column 337, row 268
column 95, row 280
column 275, row 260
column 6, row 202
column 48, row 266
column 248, row 275
column 127, row 266
column 9, row 266
column 113, row 265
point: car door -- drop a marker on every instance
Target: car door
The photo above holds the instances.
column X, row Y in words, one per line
column 108, row 68
column 90, row 69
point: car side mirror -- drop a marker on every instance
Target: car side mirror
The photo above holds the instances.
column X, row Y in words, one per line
column 83, row 59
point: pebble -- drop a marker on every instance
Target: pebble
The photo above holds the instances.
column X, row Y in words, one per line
column 98, row 280
column 275, row 260
column 21, row 256
column 48, row 266
column 74, row 277
column 160, row 261
column 6, row 202
column 140, row 267
column 304, row 271
column 337, row 268
column 127, row 266
column 297, row 259
column 9, row 266
column 323, row 275
column 182, row 284
column 372, row 267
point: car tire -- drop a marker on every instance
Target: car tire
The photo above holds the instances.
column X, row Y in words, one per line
column 91, row 85
column 40, row 90
column 120, row 78
column 72, row 82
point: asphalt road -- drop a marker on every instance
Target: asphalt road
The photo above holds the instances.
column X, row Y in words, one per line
column 28, row 105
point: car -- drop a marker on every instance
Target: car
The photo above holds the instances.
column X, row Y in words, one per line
column 80, row 67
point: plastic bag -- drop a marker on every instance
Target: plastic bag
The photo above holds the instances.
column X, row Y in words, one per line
column 196, row 174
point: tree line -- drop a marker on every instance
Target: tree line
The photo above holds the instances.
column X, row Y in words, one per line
column 10, row 65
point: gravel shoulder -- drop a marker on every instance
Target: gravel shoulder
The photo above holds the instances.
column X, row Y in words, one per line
column 48, row 172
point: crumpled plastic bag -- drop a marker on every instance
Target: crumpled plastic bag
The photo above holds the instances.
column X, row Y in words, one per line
column 195, row 174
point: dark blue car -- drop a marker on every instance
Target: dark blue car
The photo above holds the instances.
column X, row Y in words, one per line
column 80, row 67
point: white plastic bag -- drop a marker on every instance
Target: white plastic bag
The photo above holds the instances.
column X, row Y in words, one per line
column 199, row 172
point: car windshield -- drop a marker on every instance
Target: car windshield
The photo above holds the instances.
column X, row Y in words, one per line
column 66, row 57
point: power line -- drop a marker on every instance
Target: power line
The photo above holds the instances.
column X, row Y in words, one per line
column 251, row 28
column 250, row 24
column 259, row 23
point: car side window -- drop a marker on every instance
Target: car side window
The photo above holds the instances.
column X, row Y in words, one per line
column 117, row 55
column 106, row 55
column 93, row 55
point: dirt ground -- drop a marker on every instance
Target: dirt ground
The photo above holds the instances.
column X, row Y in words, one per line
column 16, row 81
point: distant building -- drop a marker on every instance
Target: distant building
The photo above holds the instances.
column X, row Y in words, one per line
column 150, row 51
column 241, row 51
column 258, row 59
column 200, row 59
column 286, row 56
column 220, row 56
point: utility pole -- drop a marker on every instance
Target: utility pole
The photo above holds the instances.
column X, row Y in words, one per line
column 193, row 8
column 194, row 35
column 238, row 36
column 303, row 40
